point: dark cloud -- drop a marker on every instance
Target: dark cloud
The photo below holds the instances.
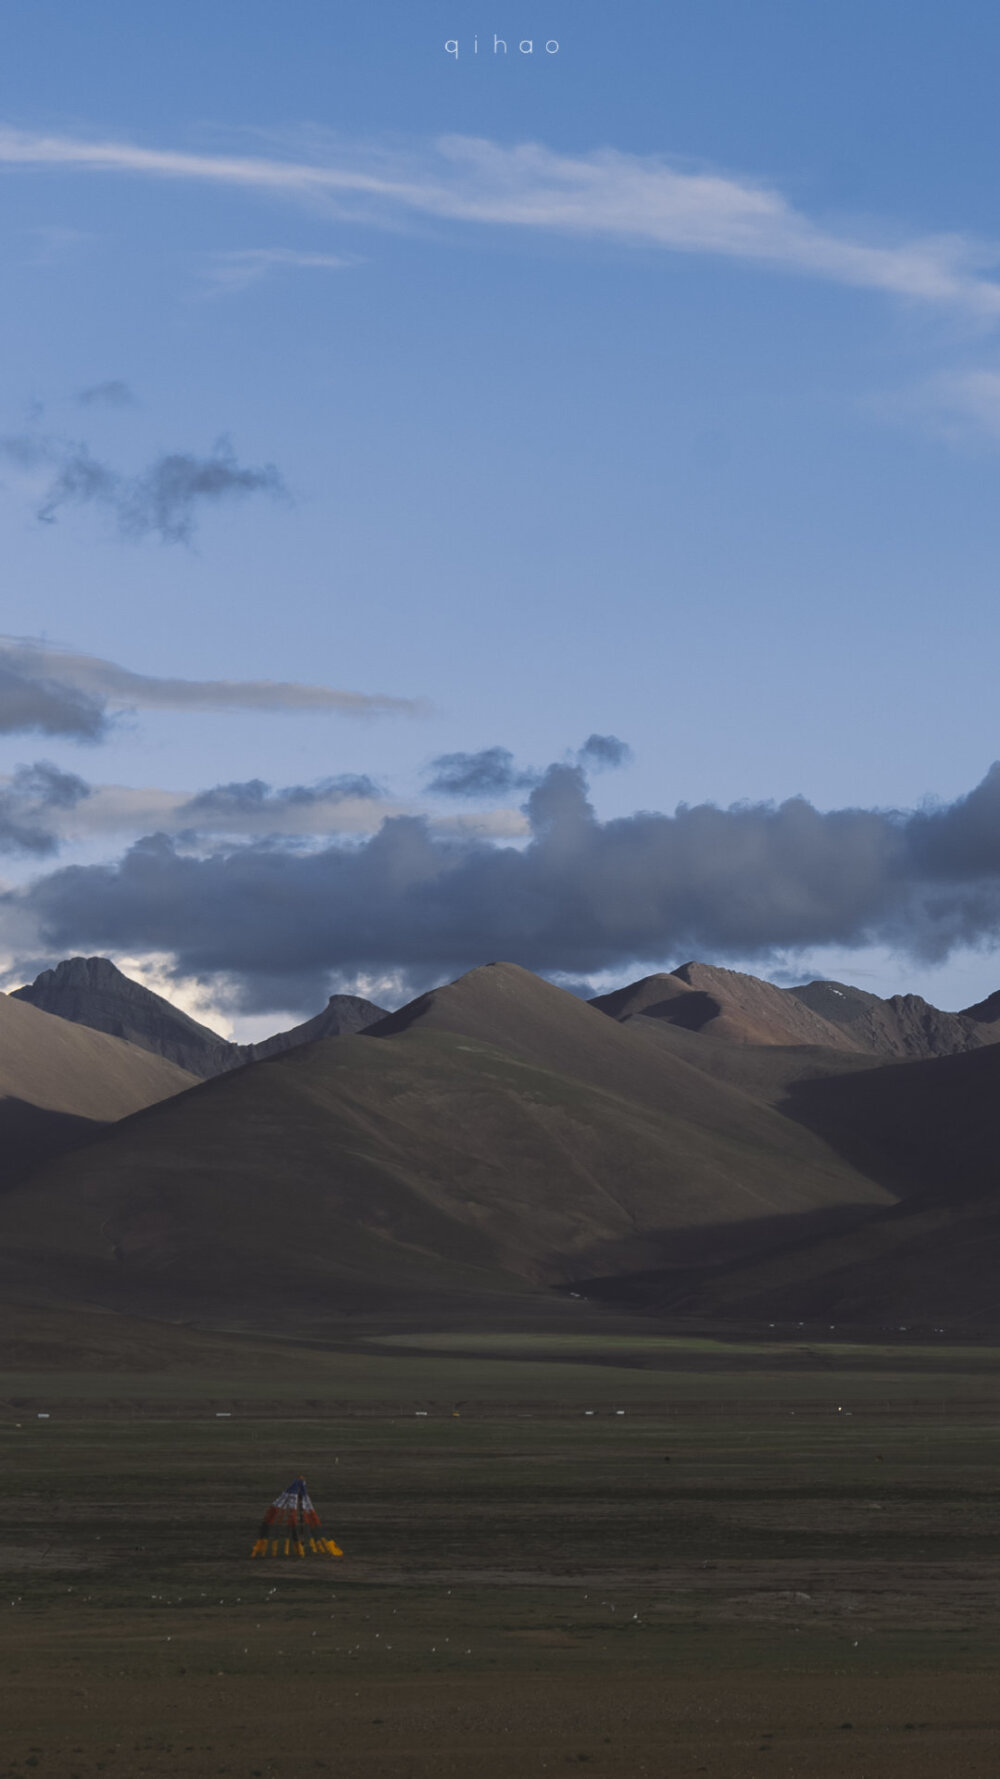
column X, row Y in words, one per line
column 32, row 795
column 50, row 707
column 961, row 836
column 112, row 394
column 604, row 751
column 62, row 692
column 257, row 800
column 490, row 773
column 580, row 897
column 165, row 500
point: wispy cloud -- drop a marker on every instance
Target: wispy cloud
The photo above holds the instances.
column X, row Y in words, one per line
column 332, row 806
column 164, row 500
column 60, row 692
column 42, row 811
column 242, row 267
column 114, row 393
column 53, row 245
column 968, row 400
column 603, row 194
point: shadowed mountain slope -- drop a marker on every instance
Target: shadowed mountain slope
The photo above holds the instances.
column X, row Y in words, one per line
column 342, row 1015
column 724, row 1004
column 766, row 1072
column 909, row 1268
column 923, row 1129
column 905, row 1026
column 930, row 1130
column 430, row 1159
column 60, row 1084
column 985, row 1012
column 93, row 992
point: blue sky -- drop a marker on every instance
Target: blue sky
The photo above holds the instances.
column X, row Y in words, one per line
column 648, row 388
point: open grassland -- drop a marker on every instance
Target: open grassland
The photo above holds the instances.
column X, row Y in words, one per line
column 780, row 1559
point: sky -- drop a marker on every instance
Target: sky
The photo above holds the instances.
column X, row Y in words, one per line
column 536, row 504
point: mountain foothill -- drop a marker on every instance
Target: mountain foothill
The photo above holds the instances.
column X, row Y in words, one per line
column 698, row 1144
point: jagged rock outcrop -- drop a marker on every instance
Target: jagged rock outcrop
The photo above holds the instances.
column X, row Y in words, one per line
column 904, row 1026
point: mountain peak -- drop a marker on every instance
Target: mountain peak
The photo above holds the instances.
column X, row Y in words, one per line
column 342, row 1016
column 92, row 991
column 724, row 1004
column 95, row 972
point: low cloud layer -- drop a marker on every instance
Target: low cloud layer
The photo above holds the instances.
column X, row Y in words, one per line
column 165, row 500
column 580, row 896
column 56, row 691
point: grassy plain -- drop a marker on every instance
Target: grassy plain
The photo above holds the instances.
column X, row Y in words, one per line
column 781, row 1559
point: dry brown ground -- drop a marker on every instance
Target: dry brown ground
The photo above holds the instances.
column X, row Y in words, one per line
column 729, row 1723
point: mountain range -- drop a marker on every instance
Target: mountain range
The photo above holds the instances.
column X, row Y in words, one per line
column 699, row 1142
column 92, row 991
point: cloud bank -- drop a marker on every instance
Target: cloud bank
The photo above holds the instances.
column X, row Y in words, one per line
column 604, row 194
column 57, row 691
column 579, row 896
